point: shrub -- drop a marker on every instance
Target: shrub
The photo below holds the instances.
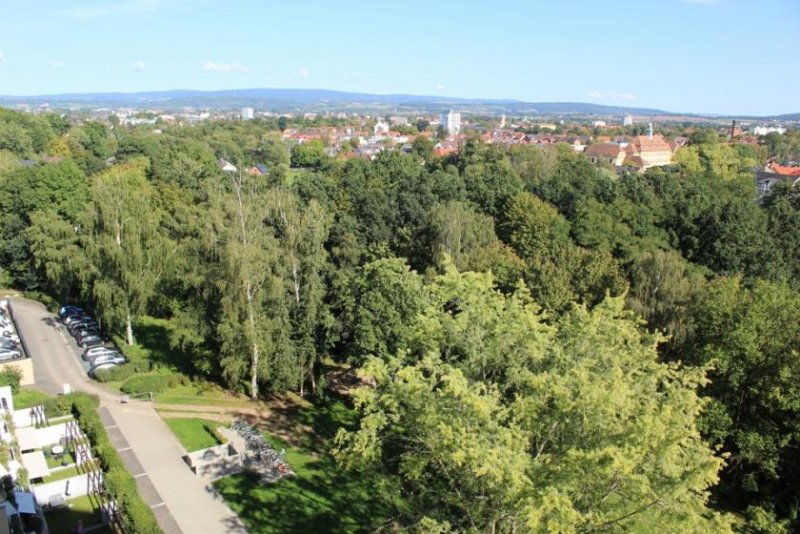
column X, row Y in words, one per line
column 153, row 382
column 124, row 372
column 11, row 376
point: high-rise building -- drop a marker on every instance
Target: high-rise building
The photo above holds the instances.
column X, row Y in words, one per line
column 451, row 122
column 628, row 120
column 248, row 114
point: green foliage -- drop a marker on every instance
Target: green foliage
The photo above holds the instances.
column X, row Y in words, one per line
column 493, row 421
column 155, row 382
column 750, row 336
column 11, row 376
column 310, row 154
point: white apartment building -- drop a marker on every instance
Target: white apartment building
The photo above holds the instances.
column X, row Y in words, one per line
column 451, row 122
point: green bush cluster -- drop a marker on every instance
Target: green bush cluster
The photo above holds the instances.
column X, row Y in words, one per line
column 121, row 373
column 136, row 516
column 11, row 376
column 153, row 382
column 57, row 406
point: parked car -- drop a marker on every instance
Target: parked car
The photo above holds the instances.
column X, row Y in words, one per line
column 67, row 309
column 6, row 354
column 83, row 327
column 75, row 318
column 79, row 327
column 83, row 335
column 102, row 367
column 92, row 340
column 116, row 359
column 90, row 353
column 6, row 343
column 10, row 336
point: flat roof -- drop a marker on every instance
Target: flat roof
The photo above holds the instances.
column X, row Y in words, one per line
column 35, row 464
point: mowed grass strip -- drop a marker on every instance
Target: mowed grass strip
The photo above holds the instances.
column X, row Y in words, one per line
column 194, row 433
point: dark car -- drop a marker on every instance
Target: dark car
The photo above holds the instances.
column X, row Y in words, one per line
column 67, row 310
column 83, row 327
column 7, row 344
column 76, row 318
column 92, row 340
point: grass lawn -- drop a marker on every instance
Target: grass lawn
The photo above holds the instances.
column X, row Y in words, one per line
column 63, row 520
column 321, row 498
column 203, row 393
column 62, row 474
column 194, row 434
column 27, row 398
column 52, row 461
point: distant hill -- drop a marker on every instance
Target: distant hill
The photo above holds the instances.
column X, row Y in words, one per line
column 317, row 100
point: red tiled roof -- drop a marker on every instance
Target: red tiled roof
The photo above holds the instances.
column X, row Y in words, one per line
column 785, row 171
column 644, row 143
column 603, row 150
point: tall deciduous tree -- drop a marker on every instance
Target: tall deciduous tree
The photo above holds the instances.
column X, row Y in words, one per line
column 120, row 234
column 489, row 420
column 253, row 322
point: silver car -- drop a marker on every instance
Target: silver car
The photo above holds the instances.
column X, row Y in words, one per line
column 102, row 367
column 8, row 354
column 91, row 352
column 116, row 359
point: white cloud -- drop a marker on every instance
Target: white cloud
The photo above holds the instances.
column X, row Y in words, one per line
column 210, row 66
column 303, row 72
column 57, row 64
column 597, row 95
column 441, row 87
column 138, row 65
column 2, row 57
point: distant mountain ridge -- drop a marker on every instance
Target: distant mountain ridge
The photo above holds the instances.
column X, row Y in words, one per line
column 330, row 100
column 315, row 99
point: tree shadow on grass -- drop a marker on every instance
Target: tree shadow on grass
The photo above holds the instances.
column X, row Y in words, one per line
column 154, row 336
column 319, row 499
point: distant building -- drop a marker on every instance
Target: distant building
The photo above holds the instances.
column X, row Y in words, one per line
column 599, row 124
column 627, row 120
column 451, row 122
column 248, row 114
column 398, row 121
column 227, row 166
column 606, row 152
column 764, row 130
column 645, row 151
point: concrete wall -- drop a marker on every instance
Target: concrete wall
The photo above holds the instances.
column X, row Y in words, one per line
column 25, row 366
column 78, row 486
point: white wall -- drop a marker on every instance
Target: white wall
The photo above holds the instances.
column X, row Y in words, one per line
column 78, row 486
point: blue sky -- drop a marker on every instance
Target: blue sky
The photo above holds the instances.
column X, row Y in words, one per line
column 713, row 56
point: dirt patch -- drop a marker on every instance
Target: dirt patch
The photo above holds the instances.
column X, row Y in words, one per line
column 275, row 417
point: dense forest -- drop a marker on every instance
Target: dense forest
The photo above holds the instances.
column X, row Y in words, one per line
column 544, row 346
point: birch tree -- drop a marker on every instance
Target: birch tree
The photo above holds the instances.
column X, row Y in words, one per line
column 120, row 234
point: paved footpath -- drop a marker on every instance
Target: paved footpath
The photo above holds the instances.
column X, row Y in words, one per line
column 181, row 501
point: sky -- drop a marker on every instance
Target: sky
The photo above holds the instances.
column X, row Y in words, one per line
column 698, row 56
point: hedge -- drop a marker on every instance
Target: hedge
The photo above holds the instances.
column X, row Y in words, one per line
column 153, row 382
column 136, row 516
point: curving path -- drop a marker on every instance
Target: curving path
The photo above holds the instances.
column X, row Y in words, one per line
column 181, row 501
